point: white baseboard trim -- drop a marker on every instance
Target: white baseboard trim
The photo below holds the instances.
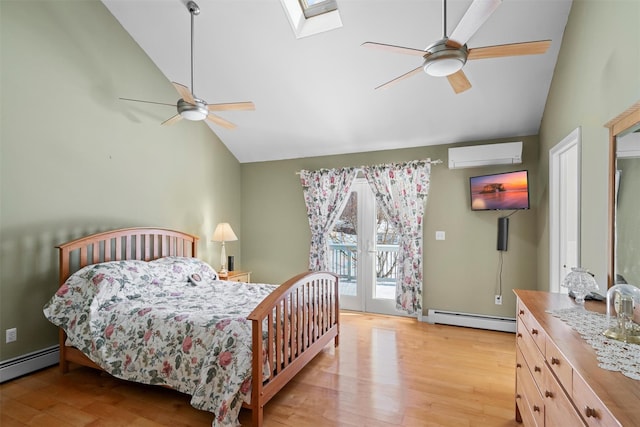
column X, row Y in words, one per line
column 28, row 363
column 469, row 320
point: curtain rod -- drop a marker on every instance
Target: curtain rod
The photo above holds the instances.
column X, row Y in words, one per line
column 433, row 162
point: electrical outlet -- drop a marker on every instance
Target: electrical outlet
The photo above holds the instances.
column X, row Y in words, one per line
column 11, row 335
column 498, row 299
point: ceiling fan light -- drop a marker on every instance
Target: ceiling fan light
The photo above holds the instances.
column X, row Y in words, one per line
column 194, row 115
column 443, row 67
column 193, row 112
column 444, row 60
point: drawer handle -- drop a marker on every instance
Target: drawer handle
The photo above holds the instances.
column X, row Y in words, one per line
column 521, row 311
column 534, row 332
column 548, row 394
column 536, row 408
column 590, row 412
column 518, row 365
column 519, row 335
column 555, row 361
column 537, row 369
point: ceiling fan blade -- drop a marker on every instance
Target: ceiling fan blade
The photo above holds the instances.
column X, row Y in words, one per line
column 395, row 49
column 220, row 121
column 148, row 102
column 232, row 106
column 459, row 82
column 171, row 120
column 402, row 77
column 184, row 92
column 474, row 17
column 513, row 49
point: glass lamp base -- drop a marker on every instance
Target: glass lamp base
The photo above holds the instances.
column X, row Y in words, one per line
column 578, row 298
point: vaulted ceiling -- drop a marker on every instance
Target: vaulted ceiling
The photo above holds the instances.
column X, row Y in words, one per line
column 315, row 95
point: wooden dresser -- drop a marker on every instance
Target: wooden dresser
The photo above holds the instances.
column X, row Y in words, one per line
column 558, row 381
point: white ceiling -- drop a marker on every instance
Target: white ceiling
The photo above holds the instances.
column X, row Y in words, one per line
column 315, row 96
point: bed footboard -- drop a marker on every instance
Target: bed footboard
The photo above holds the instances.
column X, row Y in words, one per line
column 296, row 322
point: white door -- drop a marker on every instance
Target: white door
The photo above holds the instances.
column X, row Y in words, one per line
column 564, row 209
column 363, row 250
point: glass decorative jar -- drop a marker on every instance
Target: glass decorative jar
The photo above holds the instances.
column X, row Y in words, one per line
column 580, row 283
column 623, row 313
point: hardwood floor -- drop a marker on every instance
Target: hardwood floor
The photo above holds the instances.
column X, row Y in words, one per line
column 387, row 371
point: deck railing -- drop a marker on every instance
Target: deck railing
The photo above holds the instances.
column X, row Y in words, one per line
column 343, row 260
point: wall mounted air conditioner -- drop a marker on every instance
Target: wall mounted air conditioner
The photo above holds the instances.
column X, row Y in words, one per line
column 505, row 153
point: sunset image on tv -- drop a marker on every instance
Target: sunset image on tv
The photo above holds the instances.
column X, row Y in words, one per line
column 500, row 191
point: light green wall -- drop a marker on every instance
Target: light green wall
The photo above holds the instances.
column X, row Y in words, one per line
column 460, row 273
column 597, row 77
column 75, row 159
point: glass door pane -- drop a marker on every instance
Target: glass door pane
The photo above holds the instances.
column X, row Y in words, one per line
column 343, row 254
column 386, row 255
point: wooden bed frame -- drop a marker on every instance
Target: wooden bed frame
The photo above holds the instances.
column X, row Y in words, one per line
column 303, row 311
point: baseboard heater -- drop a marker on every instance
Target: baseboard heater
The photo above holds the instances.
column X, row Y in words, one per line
column 29, row 363
column 478, row 321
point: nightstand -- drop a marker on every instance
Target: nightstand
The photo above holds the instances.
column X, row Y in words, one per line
column 237, row 276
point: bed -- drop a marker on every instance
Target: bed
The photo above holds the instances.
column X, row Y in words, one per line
column 287, row 328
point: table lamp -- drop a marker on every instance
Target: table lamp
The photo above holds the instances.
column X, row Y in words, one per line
column 580, row 282
column 223, row 233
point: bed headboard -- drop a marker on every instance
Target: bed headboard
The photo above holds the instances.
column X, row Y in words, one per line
column 143, row 243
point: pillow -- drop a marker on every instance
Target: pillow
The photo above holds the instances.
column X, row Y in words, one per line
column 175, row 269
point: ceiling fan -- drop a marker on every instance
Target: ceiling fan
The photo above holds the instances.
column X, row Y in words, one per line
column 191, row 107
column 447, row 56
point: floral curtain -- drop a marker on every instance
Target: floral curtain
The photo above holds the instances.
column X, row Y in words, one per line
column 325, row 192
column 401, row 191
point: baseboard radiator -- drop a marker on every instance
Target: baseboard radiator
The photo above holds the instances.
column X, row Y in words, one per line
column 478, row 321
column 29, row 363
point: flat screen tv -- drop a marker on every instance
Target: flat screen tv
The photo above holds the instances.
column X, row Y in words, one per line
column 500, row 191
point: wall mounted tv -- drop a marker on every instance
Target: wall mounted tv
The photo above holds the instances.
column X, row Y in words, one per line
column 500, row 191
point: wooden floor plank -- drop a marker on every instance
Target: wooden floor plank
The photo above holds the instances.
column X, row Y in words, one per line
column 388, row 371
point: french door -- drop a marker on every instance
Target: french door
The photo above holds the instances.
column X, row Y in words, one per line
column 363, row 248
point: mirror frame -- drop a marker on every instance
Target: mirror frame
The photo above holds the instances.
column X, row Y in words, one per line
column 617, row 126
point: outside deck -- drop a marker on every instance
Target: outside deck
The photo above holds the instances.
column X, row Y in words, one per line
column 344, row 262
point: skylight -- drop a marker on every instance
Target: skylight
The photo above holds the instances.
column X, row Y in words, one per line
column 313, row 8
column 309, row 17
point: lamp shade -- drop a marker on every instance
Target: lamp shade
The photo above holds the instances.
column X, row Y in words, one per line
column 224, row 233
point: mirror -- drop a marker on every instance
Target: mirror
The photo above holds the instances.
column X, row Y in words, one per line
column 627, row 207
column 624, row 202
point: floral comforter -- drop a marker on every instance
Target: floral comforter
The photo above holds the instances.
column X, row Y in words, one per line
column 168, row 321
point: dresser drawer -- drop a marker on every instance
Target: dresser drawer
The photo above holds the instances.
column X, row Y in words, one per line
column 557, row 404
column 526, row 413
column 531, row 403
column 532, row 326
column 530, row 352
column 238, row 276
column 590, row 407
column 559, row 365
